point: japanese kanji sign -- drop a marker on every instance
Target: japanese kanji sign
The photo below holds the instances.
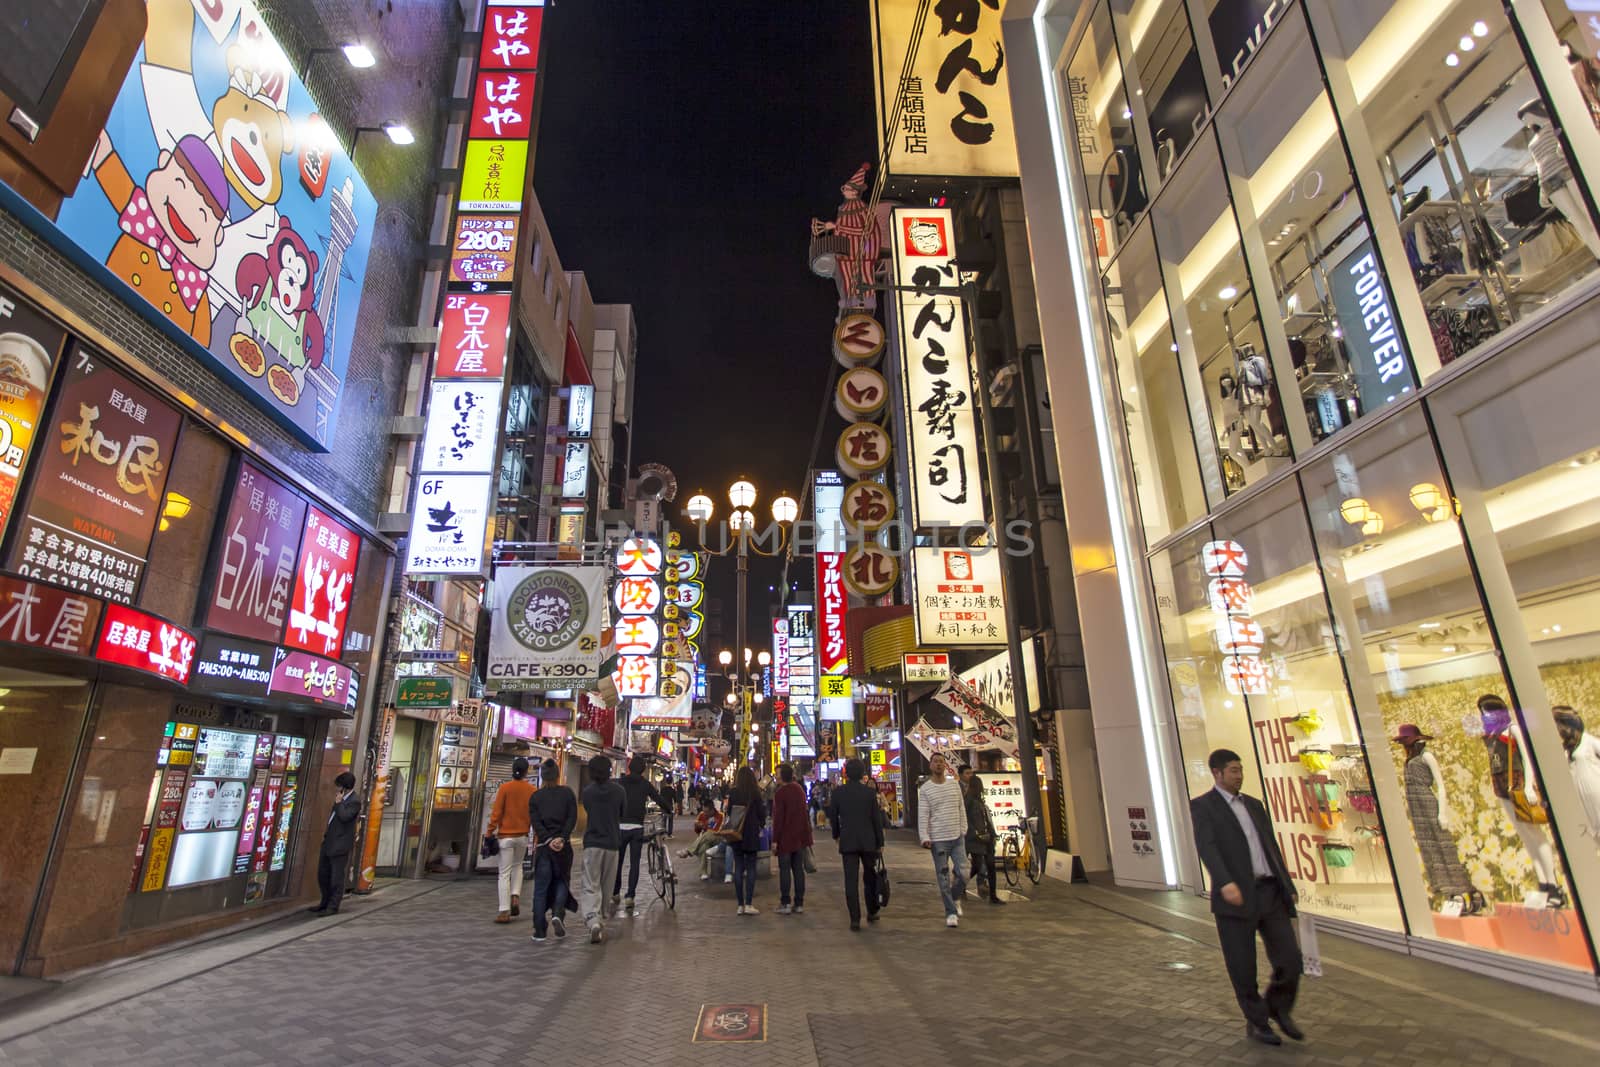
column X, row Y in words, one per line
column 322, row 586
column 1240, row 638
column 511, row 35
column 473, row 335
column 831, row 606
column 483, row 256
column 145, row 643
column 955, row 119
column 941, row 428
column 870, row 570
column 502, row 106
column 493, row 175
column 449, row 523
column 40, row 616
column 92, row 509
column 860, row 394
column 863, row 449
column 958, row 597
column 461, row 433
column 255, row 555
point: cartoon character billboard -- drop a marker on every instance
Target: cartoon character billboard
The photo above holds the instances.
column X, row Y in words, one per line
column 218, row 195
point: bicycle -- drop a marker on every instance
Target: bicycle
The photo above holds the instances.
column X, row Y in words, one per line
column 1018, row 853
column 658, row 863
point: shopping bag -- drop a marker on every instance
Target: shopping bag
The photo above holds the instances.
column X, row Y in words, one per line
column 1306, row 925
column 808, row 859
column 883, row 881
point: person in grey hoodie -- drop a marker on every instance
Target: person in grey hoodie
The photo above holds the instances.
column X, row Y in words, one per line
column 603, row 802
column 942, row 827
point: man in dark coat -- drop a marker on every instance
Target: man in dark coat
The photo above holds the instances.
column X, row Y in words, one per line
column 1251, row 893
column 553, row 813
column 857, row 822
column 338, row 839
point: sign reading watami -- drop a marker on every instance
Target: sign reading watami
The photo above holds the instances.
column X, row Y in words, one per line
column 955, row 113
column 450, row 516
column 941, row 432
column 958, row 597
column 546, row 632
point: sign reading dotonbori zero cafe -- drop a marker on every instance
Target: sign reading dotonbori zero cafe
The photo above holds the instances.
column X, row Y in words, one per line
column 546, row 633
column 941, row 431
column 455, row 484
column 955, row 116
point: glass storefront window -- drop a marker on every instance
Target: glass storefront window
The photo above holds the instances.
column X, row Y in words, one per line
column 1493, row 220
column 1170, row 79
column 1278, row 132
column 1198, row 237
column 1402, row 588
column 1577, row 23
column 1103, row 127
column 1165, row 469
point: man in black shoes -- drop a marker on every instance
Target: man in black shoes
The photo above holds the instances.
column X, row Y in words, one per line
column 338, row 838
column 1251, row 893
column 857, row 821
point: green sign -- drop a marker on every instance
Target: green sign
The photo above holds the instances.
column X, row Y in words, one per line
column 425, row 693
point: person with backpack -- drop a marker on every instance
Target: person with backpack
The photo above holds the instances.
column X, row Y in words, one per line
column 858, row 826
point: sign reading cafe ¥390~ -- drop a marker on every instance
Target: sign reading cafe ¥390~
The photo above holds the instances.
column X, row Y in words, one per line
column 546, row 632
column 941, row 430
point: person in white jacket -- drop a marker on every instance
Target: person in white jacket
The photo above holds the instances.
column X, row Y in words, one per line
column 1583, row 759
column 942, row 827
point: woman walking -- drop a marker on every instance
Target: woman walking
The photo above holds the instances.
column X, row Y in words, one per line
column 980, row 832
column 509, row 825
column 746, row 847
column 791, row 836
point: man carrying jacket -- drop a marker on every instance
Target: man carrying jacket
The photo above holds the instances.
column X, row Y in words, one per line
column 857, row 823
column 1251, row 892
column 338, row 839
column 637, row 788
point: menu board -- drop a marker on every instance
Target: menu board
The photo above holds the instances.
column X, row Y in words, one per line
column 102, row 472
column 455, row 770
column 286, row 800
column 257, row 544
column 224, row 753
column 212, row 804
column 322, row 585
column 29, row 345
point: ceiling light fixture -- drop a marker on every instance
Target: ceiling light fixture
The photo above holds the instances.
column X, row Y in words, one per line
column 1480, row 29
column 1227, row 292
column 1467, row 44
column 1452, row 60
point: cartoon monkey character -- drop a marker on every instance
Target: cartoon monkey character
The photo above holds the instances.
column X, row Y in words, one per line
column 279, row 290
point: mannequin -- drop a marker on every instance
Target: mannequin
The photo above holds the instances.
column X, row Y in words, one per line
column 1432, row 821
column 1510, row 774
column 1556, row 187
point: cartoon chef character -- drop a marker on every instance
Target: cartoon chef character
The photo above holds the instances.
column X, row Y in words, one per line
column 172, row 226
column 248, row 129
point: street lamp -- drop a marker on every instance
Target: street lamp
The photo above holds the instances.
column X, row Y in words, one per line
column 742, row 495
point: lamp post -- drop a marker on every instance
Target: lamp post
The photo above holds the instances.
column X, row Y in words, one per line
column 742, row 520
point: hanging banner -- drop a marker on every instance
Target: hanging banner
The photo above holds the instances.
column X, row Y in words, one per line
column 959, row 602
column 991, row 680
column 955, row 116
column 980, row 726
column 546, row 629
column 218, row 200
column 941, row 428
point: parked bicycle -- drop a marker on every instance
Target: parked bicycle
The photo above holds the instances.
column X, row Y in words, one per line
column 1020, row 853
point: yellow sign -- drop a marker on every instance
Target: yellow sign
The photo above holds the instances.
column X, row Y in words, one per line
column 155, row 869
column 835, row 687
column 493, row 175
column 880, row 757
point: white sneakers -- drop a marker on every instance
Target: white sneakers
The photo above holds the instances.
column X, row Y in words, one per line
column 798, row 910
column 958, row 908
column 748, row 909
column 727, row 879
column 784, row 909
column 951, row 920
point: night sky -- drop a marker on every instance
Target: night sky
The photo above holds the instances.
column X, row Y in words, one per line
column 683, row 150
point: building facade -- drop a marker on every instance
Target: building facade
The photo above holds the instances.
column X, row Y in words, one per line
column 1318, row 295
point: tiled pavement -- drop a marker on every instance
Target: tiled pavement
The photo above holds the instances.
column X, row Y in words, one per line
column 1059, row 979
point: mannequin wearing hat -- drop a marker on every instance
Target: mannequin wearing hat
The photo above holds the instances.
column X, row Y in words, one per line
column 1513, row 782
column 1556, row 188
column 1432, row 822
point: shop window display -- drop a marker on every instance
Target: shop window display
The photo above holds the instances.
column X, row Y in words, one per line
column 1198, row 238
column 1165, row 469
column 1494, row 224
column 1402, row 588
column 1170, row 79
column 1280, row 139
column 1103, row 127
column 1577, row 23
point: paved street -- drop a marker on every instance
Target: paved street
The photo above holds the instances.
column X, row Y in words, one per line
column 1064, row 978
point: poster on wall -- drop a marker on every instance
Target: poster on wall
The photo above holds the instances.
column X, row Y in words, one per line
column 29, row 345
column 321, row 603
column 257, row 545
column 546, row 633
column 217, row 197
column 955, row 119
column 92, row 508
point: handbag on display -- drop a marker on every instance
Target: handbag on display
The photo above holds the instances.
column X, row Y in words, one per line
column 1338, row 854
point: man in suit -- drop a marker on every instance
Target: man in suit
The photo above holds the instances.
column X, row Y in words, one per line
column 337, row 840
column 1251, row 892
column 857, row 823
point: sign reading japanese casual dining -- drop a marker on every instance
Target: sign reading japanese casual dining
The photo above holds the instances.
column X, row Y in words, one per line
column 959, row 602
column 29, row 345
column 546, row 629
column 256, row 549
column 955, row 113
column 41, row 616
column 941, row 430
column 95, row 499
column 473, row 335
column 131, row 638
column 322, row 585
column 216, row 199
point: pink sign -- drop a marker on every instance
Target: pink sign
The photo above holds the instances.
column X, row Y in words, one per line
column 473, row 335
column 312, row 679
column 514, row 723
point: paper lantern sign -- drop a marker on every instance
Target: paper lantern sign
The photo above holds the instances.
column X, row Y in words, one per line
column 640, row 556
column 870, row 570
column 860, row 394
column 857, row 341
column 863, row 449
column 867, row 506
column 637, row 596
